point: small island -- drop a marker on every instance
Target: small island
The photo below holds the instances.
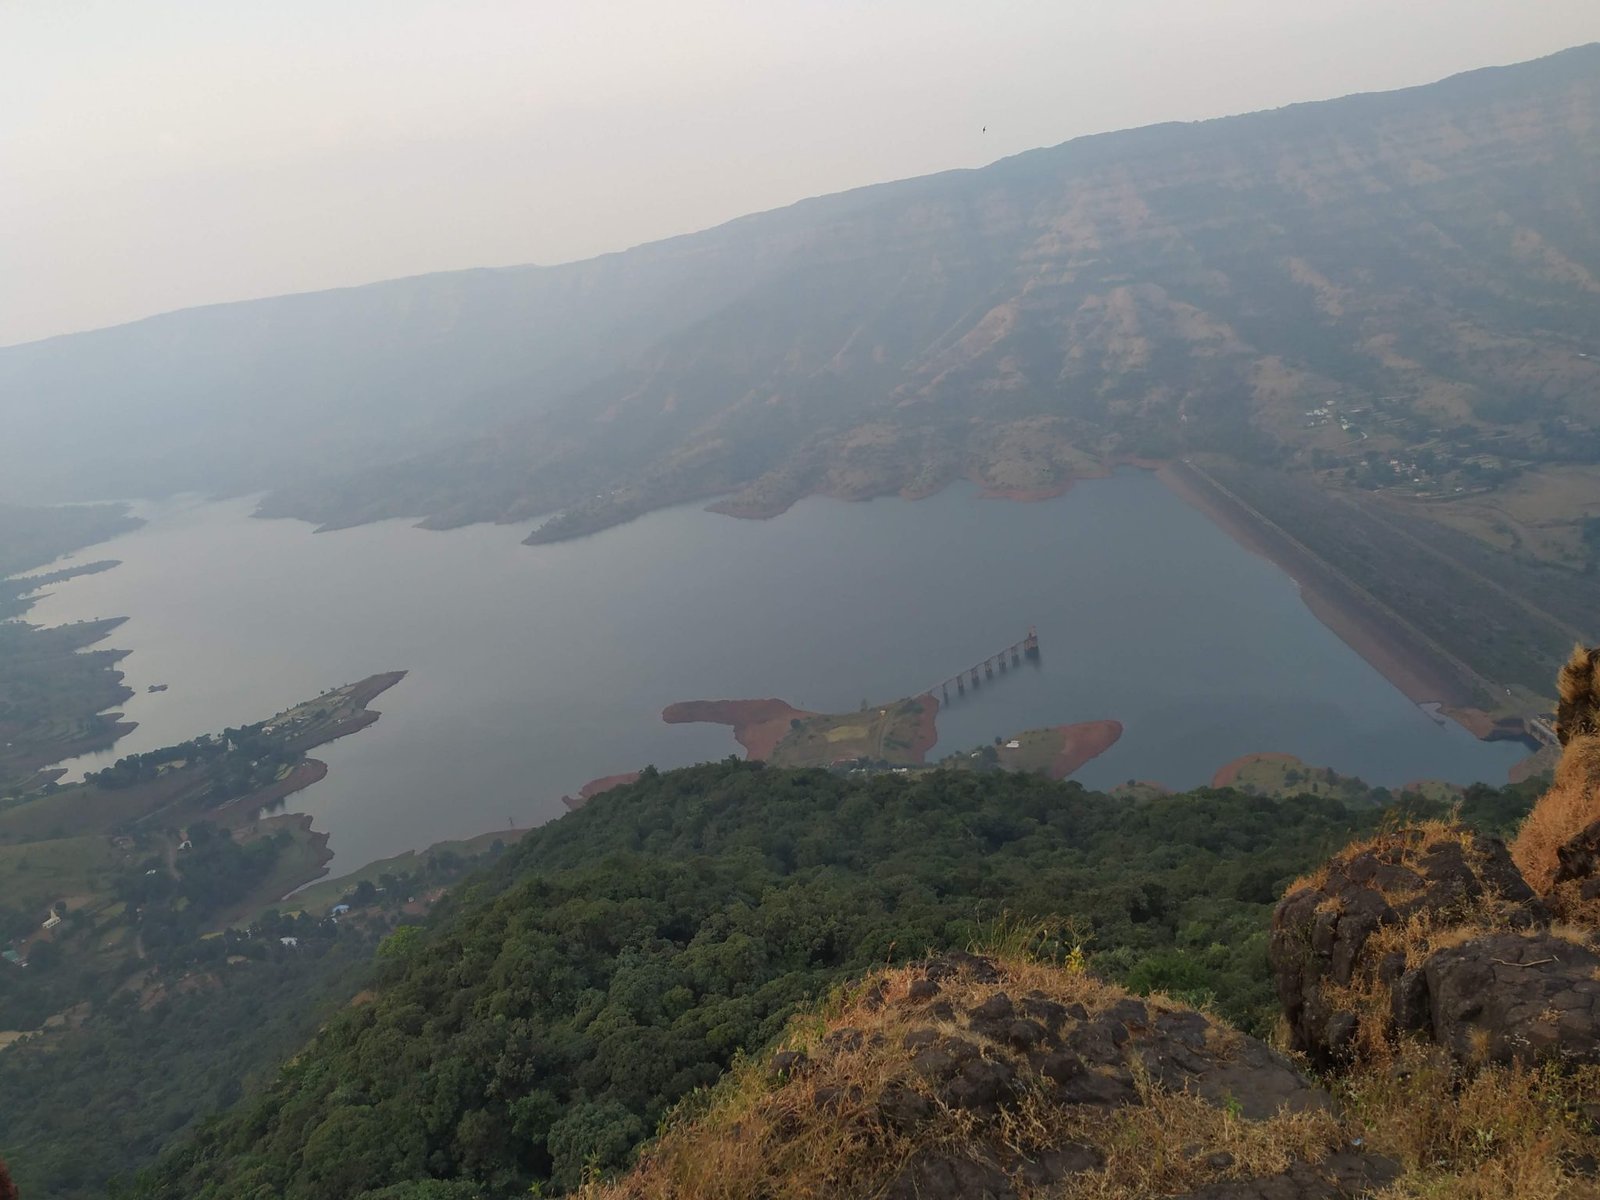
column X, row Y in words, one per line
column 899, row 734
column 1056, row 751
column 1272, row 773
column 890, row 737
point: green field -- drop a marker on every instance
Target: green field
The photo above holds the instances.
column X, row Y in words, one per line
column 38, row 874
column 1035, row 752
column 318, row 897
column 885, row 734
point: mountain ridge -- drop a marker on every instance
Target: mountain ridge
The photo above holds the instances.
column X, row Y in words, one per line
column 1568, row 55
column 442, row 356
column 1105, row 293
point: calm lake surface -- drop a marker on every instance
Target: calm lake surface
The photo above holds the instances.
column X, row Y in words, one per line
column 535, row 669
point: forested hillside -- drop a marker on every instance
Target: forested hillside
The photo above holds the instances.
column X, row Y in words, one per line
column 562, row 1001
column 104, row 1091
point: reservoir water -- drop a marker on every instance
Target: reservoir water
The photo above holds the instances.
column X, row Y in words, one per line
column 535, row 669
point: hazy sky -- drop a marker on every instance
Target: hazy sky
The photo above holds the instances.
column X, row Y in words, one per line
column 156, row 154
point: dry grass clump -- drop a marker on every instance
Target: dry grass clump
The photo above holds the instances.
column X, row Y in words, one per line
column 1570, row 805
column 1573, row 801
column 1369, row 997
column 1567, row 901
column 1403, row 845
column 1488, row 1134
column 1168, row 1145
column 825, row 1130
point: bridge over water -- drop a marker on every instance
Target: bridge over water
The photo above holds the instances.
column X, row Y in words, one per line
column 996, row 664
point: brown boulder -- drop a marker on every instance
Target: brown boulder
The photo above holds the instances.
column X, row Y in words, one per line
column 1510, row 996
column 1432, row 932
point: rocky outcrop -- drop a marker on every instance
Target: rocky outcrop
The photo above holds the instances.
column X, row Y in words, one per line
column 1432, row 932
column 1509, row 996
column 1579, row 862
column 976, row 1056
column 970, row 1077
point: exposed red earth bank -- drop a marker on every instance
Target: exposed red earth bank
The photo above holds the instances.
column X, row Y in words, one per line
column 758, row 725
column 1082, row 743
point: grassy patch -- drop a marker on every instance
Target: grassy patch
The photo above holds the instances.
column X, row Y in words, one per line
column 40, row 873
column 1035, row 752
column 890, row 734
column 319, row 897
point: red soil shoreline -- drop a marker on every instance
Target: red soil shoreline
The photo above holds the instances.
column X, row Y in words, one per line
column 1033, row 495
column 1082, row 743
column 758, row 725
column 595, row 786
column 927, row 731
column 301, row 776
column 1228, row 774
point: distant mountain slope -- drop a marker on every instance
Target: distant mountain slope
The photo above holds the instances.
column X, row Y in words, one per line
column 1423, row 266
column 247, row 395
column 1397, row 291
